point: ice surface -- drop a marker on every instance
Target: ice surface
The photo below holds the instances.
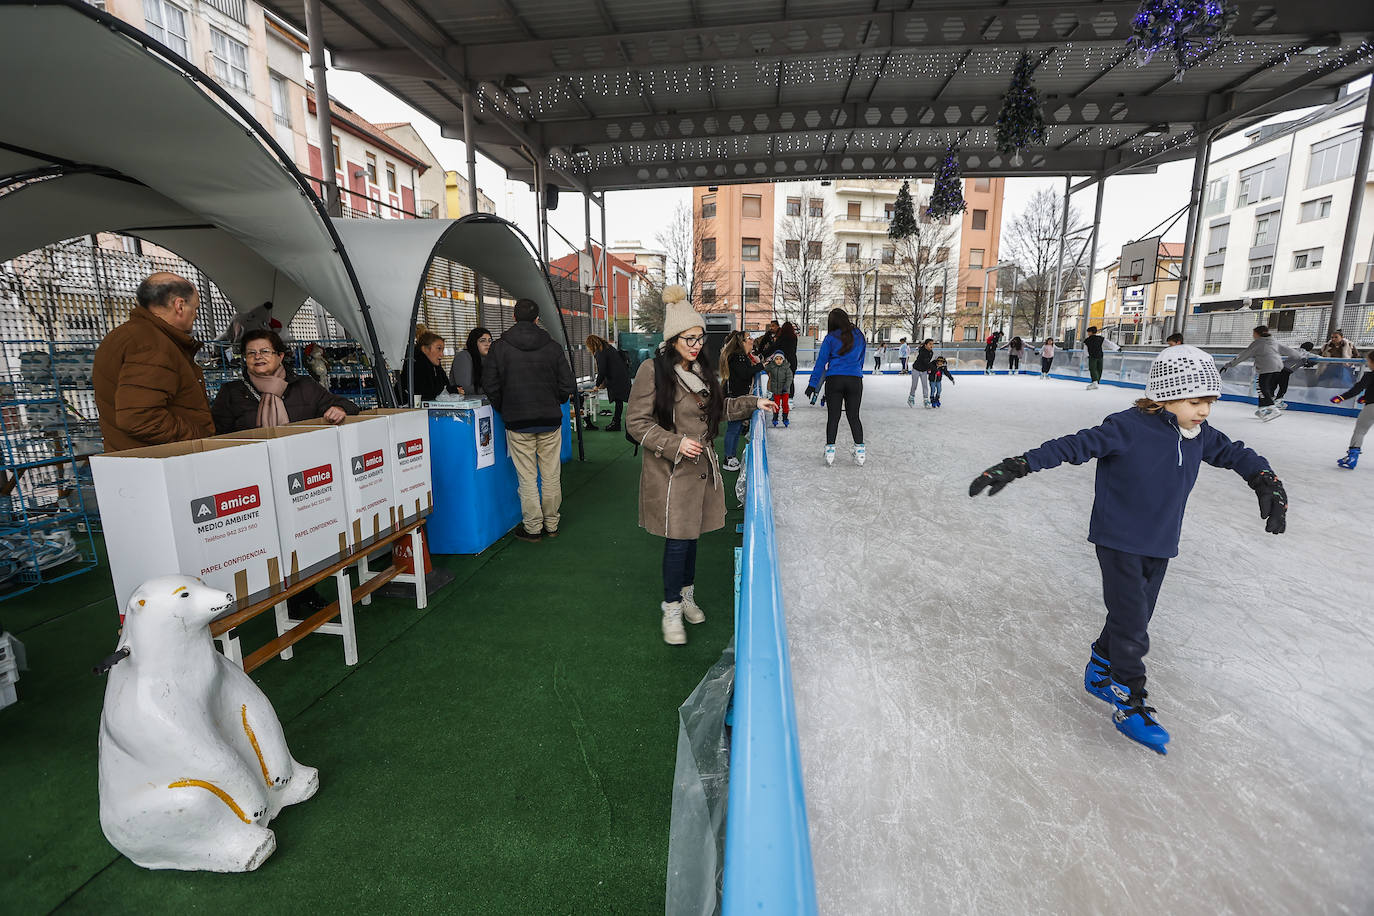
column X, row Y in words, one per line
column 953, row 761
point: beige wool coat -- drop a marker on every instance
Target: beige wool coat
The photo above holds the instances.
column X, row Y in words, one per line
column 678, row 497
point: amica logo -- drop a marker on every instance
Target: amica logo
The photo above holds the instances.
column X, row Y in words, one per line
column 309, row 479
column 208, row 508
column 368, row 461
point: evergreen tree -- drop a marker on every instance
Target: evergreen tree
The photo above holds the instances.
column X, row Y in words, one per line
column 903, row 224
column 947, row 198
column 1021, row 122
column 649, row 310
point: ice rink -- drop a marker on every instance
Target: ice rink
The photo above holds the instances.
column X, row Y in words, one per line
column 954, row 762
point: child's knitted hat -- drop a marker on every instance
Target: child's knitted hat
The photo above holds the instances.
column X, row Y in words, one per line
column 1183, row 372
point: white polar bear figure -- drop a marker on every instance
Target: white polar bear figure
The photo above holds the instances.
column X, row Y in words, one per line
column 193, row 762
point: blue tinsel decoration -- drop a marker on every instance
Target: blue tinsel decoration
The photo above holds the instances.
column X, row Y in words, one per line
column 947, row 198
column 1185, row 29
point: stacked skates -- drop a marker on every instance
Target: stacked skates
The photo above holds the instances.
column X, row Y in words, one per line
column 1131, row 716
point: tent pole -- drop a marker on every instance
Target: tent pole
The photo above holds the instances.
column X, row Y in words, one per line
column 1059, row 261
column 591, row 253
column 471, row 152
column 605, row 259
column 1092, row 259
column 314, row 30
column 1352, row 220
column 1194, row 228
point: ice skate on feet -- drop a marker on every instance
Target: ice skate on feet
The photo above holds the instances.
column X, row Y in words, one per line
column 785, row 422
column 1097, row 677
column 673, row 633
column 934, row 402
column 1281, row 404
column 926, row 402
column 1135, row 720
column 1267, row 413
column 775, row 420
column 829, row 455
column 1351, row 458
column 1092, row 385
column 911, row 400
column 691, row 611
column 859, row 454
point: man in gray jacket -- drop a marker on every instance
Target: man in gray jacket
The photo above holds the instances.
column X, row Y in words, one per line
column 527, row 378
column 1268, row 355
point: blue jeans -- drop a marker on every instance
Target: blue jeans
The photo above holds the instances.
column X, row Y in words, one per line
column 935, row 387
column 679, row 567
column 732, row 433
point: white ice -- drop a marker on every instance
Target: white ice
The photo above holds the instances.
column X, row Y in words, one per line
column 953, row 761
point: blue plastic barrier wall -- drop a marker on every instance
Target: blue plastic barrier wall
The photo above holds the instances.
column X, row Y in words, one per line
column 767, row 843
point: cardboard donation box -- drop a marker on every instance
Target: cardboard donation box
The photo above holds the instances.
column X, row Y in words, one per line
column 308, row 490
column 366, row 459
column 412, row 490
column 200, row 508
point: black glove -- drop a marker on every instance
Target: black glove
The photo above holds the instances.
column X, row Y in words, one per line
column 1273, row 501
column 999, row 475
column 810, row 390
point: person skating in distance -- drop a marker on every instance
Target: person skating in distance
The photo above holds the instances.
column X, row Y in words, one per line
column 841, row 363
column 1148, row 458
column 1363, row 392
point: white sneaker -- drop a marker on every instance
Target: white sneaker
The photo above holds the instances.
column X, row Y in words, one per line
column 829, row 455
column 859, row 454
column 731, row 464
column 1092, row 385
column 691, row 611
column 673, row 633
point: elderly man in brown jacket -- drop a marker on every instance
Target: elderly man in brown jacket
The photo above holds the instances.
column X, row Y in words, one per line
column 148, row 388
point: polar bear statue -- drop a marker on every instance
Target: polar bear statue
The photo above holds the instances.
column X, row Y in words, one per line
column 193, row 762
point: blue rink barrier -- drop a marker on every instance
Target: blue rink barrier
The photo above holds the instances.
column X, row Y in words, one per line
column 768, row 866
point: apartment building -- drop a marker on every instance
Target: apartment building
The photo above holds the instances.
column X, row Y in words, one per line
column 377, row 176
column 732, row 240
column 979, row 242
column 650, row 263
column 1274, row 215
column 456, row 196
column 431, row 198
column 1139, row 311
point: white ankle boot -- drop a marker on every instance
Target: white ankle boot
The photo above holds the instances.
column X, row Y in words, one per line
column 691, row 611
column 673, row 633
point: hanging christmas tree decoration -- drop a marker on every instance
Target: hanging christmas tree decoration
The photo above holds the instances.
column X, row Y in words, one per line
column 903, row 224
column 1021, row 123
column 947, row 198
column 1184, row 29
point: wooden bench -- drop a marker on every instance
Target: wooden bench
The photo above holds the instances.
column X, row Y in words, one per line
column 290, row 632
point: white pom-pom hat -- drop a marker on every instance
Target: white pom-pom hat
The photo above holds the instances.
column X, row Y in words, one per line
column 1183, row 372
column 678, row 315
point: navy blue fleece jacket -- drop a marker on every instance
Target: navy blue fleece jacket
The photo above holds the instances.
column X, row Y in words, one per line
column 1145, row 471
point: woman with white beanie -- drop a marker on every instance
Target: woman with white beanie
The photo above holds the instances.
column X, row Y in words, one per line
column 1148, row 458
column 675, row 409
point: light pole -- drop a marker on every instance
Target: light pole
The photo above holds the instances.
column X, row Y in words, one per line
column 982, row 324
column 863, row 278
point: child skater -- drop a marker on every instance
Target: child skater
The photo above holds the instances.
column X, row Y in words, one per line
column 920, row 371
column 937, row 370
column 841, row 363
column 1147, row 462
column 1046, row 357
column 779, row 383
column 1014, row 351
column 1366, row 417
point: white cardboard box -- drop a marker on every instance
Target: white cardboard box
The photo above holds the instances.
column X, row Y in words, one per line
column 411, row 485
column 308, row 490
column 367, row 459
column 200, row 508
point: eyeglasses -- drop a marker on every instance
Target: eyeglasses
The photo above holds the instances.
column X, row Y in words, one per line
column 692, row 340
column 255, row 353
column 484, row 340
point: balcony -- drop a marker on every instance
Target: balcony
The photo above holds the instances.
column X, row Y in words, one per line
column 864, row 225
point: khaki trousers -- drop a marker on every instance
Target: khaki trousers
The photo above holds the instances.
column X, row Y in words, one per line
column 537, row 465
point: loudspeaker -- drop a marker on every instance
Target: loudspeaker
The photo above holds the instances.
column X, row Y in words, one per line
column 551, row 196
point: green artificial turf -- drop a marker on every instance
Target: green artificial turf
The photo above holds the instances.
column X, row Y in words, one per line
column 509, row 749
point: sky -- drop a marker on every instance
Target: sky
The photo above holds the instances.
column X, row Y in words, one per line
column 1133, row 205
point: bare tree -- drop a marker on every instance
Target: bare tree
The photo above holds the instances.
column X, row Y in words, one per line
column 1031, row 240
column 807, row 250
column 649, row 309
column 695, row 265
column 917, row 273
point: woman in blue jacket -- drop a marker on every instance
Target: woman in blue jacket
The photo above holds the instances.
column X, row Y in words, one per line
column 1147, row 462
column 841, row 363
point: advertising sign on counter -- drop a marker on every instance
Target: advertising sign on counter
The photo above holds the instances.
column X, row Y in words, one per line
column 201, row 508
column 485, row 431
column 365, row 457
column 412, row 489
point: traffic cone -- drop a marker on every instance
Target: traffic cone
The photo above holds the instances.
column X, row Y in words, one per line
column 401, row 554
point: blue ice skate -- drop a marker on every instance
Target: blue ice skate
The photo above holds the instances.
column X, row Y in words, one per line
column 1097, row 678
column 1350, row 460
column 1135, row 720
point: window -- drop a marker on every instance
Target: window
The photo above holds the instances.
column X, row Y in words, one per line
column 971, row 333
column 1212, row 280
column 1216, row 196
column 794, row 206
column 338, row 161
column 851, row 251
column 853, row 209
column 974, row 294
column 371, row 168
column 1262, row 230
column 980, row 219
column 1332, row 159
column 1257, row 183
column 1307, row 260
column 708, row 292
column 751, row 291
column 885, row 293
column 1217, row 238
column 939, row 294
column 391, row 177
column 941, row 255
column 815, row 206
column 982, row 184
column 281, row 100
column 708, row 208
column 167, row 23
column 1243, row 192
column 791, row 249
column 813, row 250
column 751, row 206
column 1314, row 210
column 231, row 60
column 975, row 258
column 888, row 210
column 749, row 249
column 708, row 249
column 889, row 256
column 1260, row 271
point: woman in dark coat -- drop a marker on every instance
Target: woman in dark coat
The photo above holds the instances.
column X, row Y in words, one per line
column 786, row 344
column 612, row 376
column 466, row 372
column 270, row 394
column 430, row 378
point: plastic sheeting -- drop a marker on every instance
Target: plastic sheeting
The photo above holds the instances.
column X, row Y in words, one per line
column 696, row 838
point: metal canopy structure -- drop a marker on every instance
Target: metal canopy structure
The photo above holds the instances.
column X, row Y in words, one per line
column 616, row 94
